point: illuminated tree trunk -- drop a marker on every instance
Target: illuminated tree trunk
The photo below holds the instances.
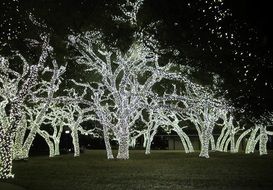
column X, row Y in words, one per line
column 27, row 145
column 48, row 142
column 6, row 156
column 57, row 138
column 250, row 147
column 212, row 143
column 263, row 141
column 76, row 144
column 191, row 149
column 123, row 149
column 253, row 146
column 107, row 143
column 232, row 142
column 220, row 138
column 145, row 139
column 185, row 140
column 206, row 136
column 150, row 138
column 237, row 146
column 226, row 145
column 205, row 146
column 224, row 140
column 56, row 147
column 18, row 143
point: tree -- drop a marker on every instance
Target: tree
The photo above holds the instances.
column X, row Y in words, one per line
column 42, row 98
column 172, row 121
column 12, row 104
column 259, row 134
column 229, row 129
column 204, row 114
column 127, row 79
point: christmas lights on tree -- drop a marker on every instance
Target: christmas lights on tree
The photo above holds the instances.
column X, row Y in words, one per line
column 128, row 96
column 23, row 83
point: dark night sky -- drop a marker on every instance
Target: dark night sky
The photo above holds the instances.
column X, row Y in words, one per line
column 257, row 12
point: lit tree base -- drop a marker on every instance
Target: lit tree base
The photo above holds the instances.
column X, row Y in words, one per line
column 123, row 149
column 6, row 176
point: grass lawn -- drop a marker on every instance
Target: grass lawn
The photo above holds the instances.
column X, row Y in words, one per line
column 160, row 170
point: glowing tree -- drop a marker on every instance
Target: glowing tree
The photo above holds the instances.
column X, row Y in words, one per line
column 36, row 114
column 53, row 119
column 204, row 115
column 74, row 117
column 226, row 130
column 53, row 122
column 66, row 112
column 267, row 120
column 152, row 125
column 259, row 134
column 166, row 118
column 171, row 121
column 21, row 83
column 127, row 80
column 163, row 111
column 250, row 146
column 229, row 130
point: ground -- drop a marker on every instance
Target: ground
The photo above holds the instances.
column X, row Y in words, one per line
column 161, row 170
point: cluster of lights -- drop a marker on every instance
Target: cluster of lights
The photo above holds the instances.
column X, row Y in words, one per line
column 129, row 12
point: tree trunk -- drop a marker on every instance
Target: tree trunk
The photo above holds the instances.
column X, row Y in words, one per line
column 226, row 144
column 224, row 141
column 145, row 139
column 49, row 143
column 205, row 147
column 263, row 141
column 184, row 136
column 206, row 135
column 220, row 138
column 212, row 143
column 191, row 149
column 6, row 157
column 149, row 143
column 237, row 146
column 27, row 144
column 232, row 142
column 253, row 146
column 51, row 148
column 107, row 143
column 123, row 149
column 148, row 146
column 76, row 144
column 251, row 141
column 56, row 147
column 183, row 143
column 18, row 143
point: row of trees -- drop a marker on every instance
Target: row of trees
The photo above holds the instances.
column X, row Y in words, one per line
column 124, row 96
column 131, row 94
